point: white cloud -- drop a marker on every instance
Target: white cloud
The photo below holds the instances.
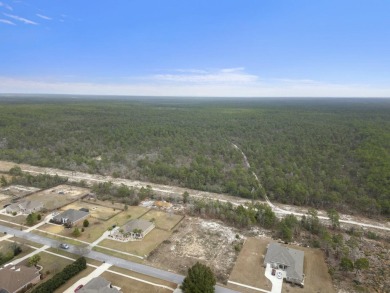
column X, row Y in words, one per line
column 5, row 5
column 6, row 21
column 228, row 75
column 22, row 19
column 265, row 88
column 43, row 16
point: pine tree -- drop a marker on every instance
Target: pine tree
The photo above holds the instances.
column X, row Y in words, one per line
column 200, row 279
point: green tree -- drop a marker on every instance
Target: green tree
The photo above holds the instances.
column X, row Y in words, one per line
column 185, row 195
column 3, row 181
column 361, row 264
column 32, row 219
column 346, row 264
column 334, row 218
column 85, row 223
column 76, row 232
column 15, row 171
column 199, row 279
column 33, row 261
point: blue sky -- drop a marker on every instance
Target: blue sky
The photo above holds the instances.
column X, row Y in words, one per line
column 196, row 47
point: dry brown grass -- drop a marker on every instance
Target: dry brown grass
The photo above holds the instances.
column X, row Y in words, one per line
column 162, row 219
column 141, row 248
column 133, row 286
column 317, row 278
column 75, row 279
column 249, row 268
column 51, row 198
column 96, row 211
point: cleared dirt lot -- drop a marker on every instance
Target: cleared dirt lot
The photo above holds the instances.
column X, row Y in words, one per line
column 141, row 248
column 197, row 240
column 57, row 197
column 96, row 211
column 162, row 220
column 248, row 268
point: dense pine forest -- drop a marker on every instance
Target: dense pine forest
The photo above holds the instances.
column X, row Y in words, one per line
column 325, row 153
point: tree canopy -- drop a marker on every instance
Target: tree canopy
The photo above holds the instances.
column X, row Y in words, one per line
column 199, row 279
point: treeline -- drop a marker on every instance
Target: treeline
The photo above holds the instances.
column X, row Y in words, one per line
column 42, row 181
column 320, row 153
column 122, row 193
column 62, row 277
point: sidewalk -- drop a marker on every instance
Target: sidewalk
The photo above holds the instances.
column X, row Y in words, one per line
column 96, row 273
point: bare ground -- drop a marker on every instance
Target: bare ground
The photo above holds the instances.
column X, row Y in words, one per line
column 198, row 240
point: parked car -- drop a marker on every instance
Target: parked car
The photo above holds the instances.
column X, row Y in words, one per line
column 78, row 288
column 64, row 246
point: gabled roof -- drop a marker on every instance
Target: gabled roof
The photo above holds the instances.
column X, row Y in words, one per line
column 71, row 214
column 98, row 285
column 289, row 257
column 137, row 224
column 14, row 277
column 25, row 205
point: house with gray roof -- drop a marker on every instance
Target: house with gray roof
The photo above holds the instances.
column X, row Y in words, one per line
column 138, row 228
column 98, row 285
column 15, row 279
column 70, row 217
column 25, row 207
column 286, row 259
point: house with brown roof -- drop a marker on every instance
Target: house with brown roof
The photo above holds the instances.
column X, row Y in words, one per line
column 25, row 207
column 15, row 278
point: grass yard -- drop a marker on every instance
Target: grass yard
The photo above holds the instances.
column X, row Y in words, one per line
column 317, row 278
column 249, row 268
column 96, row 211
column 59, row 196
column 141, row 248
column 118, row 254
column 57, row 237
column 75, row 279
column 143, row 277
column 162, row 220
column 52, row 228
column 97, row 227
column 131, row 285
column 20, row 219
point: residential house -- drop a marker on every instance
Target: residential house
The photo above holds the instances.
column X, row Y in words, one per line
column 25, row 207
column 137, row 228
column 286, row 259
column 98, row 285
column 70, row 217
column 15, row 278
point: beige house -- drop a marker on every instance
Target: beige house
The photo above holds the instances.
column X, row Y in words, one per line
column 15, row 278
column 25, row 207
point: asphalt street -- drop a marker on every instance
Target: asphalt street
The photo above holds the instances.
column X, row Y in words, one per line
column 122, row 263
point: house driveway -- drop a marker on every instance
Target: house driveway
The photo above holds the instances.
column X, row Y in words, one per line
column 277, row 280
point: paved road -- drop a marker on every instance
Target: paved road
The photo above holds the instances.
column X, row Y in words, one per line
column 139, row 268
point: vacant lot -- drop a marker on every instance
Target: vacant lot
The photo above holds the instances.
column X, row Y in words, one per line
column 162, row 220
column 96, row 211
column 131, row 285
column 141, row 248
column 15, row 191
column 57, row 197
column 195, row 240
column 317, row 278
column 249, row 268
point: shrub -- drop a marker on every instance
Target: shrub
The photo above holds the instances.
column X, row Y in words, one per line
column 85, row 223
